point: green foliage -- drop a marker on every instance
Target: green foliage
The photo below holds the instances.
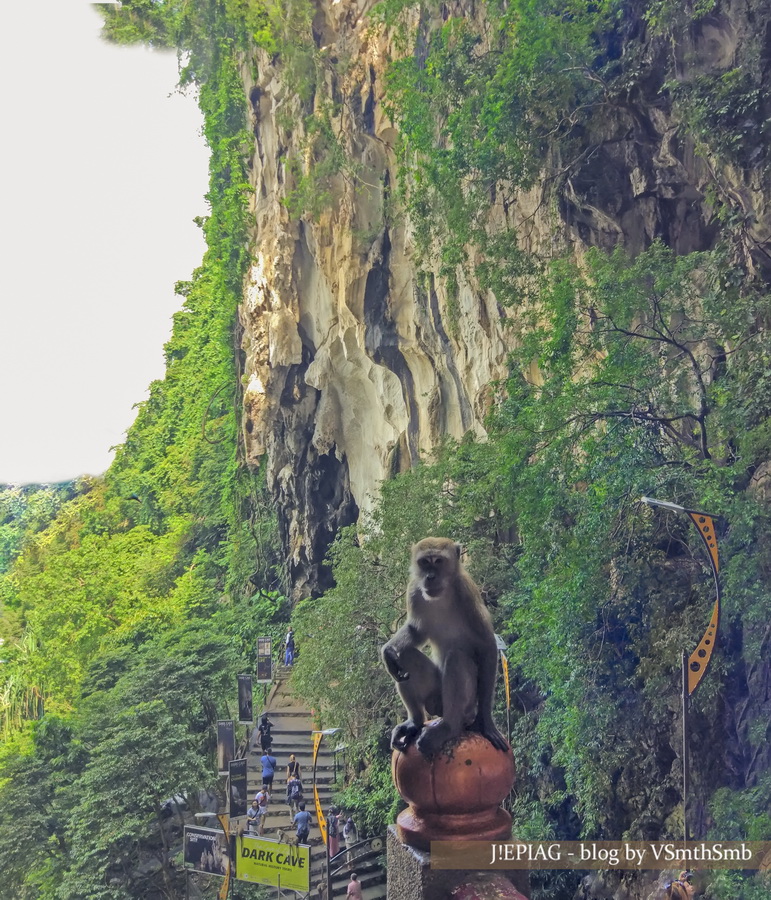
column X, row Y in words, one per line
column 32, row 845
column 372, row 794
column 129, row 606
column 24, row 511
column 389, row 11
column 477, row 110
column 323, row 161
column 669, row 15
column 143, row 21
column 254, row 22
column 178, row 518
column 89, row 794
column 584, row 338
column 630, row 378
column 729, row 885
column 725, row 112
column 743, row 815
column 633, row 369
column 153, row 730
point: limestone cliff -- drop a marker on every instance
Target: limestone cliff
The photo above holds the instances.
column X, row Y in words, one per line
column 354, row 364
column 351, row 370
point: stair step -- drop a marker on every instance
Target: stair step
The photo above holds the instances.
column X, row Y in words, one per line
column 292, row 733
column 323, row 776
column 300, row 746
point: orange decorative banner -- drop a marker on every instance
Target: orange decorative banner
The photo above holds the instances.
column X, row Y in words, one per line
column 705, row 524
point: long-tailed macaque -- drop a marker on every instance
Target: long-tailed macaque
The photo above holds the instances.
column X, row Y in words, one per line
column 445, row 610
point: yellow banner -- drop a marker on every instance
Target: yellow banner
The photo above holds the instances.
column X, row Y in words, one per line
column 317, row 737
column 505, row 666
column 223, row 894
column 262, row 860
column 320, row 817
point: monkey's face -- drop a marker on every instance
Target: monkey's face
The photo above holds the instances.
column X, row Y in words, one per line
column 435, row 564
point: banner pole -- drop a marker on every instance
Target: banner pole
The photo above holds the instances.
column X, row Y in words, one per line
column 686, row 773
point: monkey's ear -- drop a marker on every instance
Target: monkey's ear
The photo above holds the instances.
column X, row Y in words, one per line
column 458, row 549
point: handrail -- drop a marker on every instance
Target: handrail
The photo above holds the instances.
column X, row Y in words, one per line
column 358, row 845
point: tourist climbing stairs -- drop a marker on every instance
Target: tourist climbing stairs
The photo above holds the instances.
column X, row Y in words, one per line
column 292, row 733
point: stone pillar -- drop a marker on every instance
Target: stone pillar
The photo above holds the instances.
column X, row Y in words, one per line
column 411, row 878
column 492, row 886
column 455, row 795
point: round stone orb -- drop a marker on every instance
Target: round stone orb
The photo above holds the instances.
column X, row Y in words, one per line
column 456, row 795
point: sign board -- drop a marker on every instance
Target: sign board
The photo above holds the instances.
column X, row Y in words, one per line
column 263, row 860
column 205, row 850
column 226, row 744
column 238, row 801
column 245, row 708
column 264, row 661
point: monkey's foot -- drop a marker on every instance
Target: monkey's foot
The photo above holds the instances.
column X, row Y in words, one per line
column 497, row 739
column 434, row 738
column 493, row 735
column 403, row 735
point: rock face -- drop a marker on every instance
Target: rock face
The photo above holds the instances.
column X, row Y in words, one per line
column 352, row 368
column 353, row 364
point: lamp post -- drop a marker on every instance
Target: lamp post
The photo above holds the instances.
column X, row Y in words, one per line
column 501, row 645
column 224, row 820
column 318, row 736
column 340, row 748
column 694, row 666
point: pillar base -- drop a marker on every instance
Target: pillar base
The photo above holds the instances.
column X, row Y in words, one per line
column 419, row 830
column 410, row 877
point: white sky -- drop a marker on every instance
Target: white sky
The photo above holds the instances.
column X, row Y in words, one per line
column 101, row 174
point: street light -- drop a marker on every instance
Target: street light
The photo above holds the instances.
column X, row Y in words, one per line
column 318, row 736
column 340, row 748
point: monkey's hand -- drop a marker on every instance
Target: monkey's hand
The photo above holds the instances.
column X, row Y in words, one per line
column 403, row 735
column 391, row 660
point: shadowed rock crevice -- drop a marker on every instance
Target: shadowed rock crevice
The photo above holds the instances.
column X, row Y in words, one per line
column 381, row 340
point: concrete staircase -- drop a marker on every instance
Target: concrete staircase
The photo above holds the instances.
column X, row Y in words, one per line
column 292, row 733
column 368, row 861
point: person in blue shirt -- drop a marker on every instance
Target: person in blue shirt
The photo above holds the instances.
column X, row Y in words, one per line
column 302, row 822
column 268, row 769
column 289, row 648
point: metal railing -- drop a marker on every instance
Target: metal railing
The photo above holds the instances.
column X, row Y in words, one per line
column 359, row 850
